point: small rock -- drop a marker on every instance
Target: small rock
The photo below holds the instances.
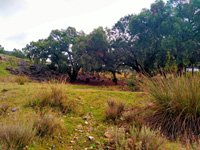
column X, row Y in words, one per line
column 72, row 142
column 53, row 146
column 91, row 138
column 86, row 117
column 80, row 98
column 86, row 122
column 97, row 143
column 14, row 109
column 76, row 139
column 107, row 135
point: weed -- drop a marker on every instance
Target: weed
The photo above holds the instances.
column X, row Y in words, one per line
column 175, row 106
column 16, row 135
column 21, row 80
column 113, row 109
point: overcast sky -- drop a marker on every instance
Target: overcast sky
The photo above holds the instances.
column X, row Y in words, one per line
column 23, row 21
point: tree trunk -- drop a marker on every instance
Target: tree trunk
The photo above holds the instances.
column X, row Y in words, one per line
column 114, row 77
column 73, row 75
column 192, row 69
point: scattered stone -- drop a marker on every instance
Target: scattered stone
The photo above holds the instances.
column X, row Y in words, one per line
column 91, row 138
column 107, row 135
column 14, row 109
column 76, row 139
column 97, row 143
column 72, row 142
column 86, row 122
column 53, row 147
column 81, row 98
column 86, row 117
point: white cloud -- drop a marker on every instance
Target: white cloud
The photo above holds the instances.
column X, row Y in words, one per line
column 37, row 18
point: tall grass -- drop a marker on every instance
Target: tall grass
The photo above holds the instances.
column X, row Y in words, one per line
column 114, row 109
column 16, row 135
column 138, row 139
column 53, row 95
column 175, row 106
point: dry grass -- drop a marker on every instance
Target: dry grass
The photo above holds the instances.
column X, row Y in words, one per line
column 175, row 106
column 114, row 109
column 53, row 96
column 16, row 135
column 46, row 125
column 21, row 80
column 144, row 139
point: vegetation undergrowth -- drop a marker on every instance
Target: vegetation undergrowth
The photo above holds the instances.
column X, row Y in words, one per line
column 53, row 96
column 175, row 106
column 21, row 80
column 16, row 135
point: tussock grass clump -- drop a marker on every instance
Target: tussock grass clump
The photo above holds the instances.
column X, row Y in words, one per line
column 46, row 125
column 16, row 135
column 114, row 109
column 53, row 96
column 175, row 106
column 138, row 139
column 21, row 80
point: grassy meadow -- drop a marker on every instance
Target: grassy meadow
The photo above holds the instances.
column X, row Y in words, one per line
column 38, row 116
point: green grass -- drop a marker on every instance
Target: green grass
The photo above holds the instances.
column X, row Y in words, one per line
column 7, row 62
column 89, row 100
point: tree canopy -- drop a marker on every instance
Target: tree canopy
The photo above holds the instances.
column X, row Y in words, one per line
column 164, row 37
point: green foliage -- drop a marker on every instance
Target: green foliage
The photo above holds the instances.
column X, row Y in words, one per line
column 175, row 105
column 133, row 83
column 18, row 54
column 2, row 51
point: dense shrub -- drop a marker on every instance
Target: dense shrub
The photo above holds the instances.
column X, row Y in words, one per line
column 16, row 135
column 175, row 106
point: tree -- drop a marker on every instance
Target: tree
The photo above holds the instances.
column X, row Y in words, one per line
column 18, row 53
column 58, row 49
column 2, row 51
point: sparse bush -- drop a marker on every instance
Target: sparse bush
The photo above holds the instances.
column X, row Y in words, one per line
column 175, row 106
column 46, row 125
column 144, row 139
column 54, row 97
column 21, row 80
column 16, row 135
column 133, row 117
column 114, row 109
column 133, row 83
